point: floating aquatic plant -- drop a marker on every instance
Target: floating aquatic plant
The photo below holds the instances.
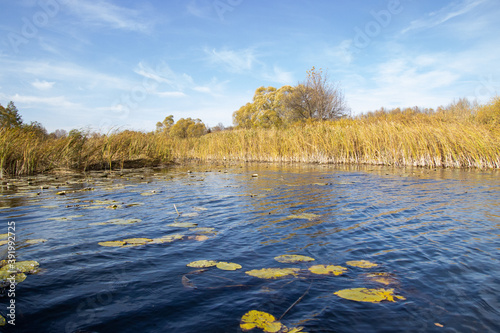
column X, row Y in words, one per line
column 182, row 225
column 166, row 239
column 35, row 241
column 327, row 270
column 292, row 258
column 384, row 278
column 369, row 295
column 258, row 319
column 272, row 273
column 27, row 266
column 202, row 263
column 228, row 266
column 304, row 216
column 112, row 243
column 361, row 263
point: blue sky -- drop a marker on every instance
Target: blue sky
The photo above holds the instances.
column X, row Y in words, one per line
column 127, row 64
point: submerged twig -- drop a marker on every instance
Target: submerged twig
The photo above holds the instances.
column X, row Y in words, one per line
column 295, row 303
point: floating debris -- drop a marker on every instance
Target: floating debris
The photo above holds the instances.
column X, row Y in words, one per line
column 35, row 241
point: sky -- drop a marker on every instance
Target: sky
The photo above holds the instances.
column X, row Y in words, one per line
column 108, row 64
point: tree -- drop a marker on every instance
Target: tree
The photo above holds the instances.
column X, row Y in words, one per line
column 9, row 116
column 165, row 125
column 317, row 97
column 268, row 109
column 185, row 128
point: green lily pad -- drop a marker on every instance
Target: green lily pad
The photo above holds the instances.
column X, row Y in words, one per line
column 228, row 266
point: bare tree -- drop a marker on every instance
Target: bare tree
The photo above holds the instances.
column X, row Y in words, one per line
column 317, row 97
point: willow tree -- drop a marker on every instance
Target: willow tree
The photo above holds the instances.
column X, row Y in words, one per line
column 317, row 97
column 268, row 109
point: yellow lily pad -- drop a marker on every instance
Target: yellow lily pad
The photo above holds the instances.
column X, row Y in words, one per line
column 200, row 238
column 28, row 266
column 361, row 263
column 117, row 222
column 228, row 266
column 292, row 258
column 258, row 319
column 166, row 239
column 137, row 241
column 369, row 295
column 202, row 263
column 3, row 242
column 304, row 216
column 5, row 275
column 35, row 241
column 182, row 225
column 2, row 320
column 112, row 243
column 384, row 278
column 204, row 230
column 327, row 270
column 272, row 273
column 3, row 236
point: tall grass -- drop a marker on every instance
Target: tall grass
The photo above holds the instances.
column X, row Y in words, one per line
column 461, row 135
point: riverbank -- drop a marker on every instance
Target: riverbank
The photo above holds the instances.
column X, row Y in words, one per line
column 439, row 139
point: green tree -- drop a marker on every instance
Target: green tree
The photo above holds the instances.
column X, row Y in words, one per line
column 9, row 116
column 188, row 127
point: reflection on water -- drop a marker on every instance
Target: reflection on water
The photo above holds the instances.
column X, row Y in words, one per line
column 433, row 233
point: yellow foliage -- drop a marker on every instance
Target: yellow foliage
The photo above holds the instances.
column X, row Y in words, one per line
column 327, row 270
column 369, row 295
column 112, row 243
column 258, row 319
column 228, row 266
column 292, row 258
column 202, row 263
column 272, row 273
column 361, row 263
column 28, row 266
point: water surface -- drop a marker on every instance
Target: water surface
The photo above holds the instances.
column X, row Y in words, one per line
column 435, row 232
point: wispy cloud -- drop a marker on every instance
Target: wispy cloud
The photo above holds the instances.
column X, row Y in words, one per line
column 239, row 61
column 162, row 73
column 443, row 15
column 60, row 102
column 42, row 85
column 102, row 13
column 280, row 76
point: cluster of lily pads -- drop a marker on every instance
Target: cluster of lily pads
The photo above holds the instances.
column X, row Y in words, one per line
column 19, row 269
column 4, row 240
column 268, row 323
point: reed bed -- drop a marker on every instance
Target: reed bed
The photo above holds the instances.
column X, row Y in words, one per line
column 438, row 139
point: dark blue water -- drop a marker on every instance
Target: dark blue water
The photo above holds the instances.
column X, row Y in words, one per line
column 435, row 232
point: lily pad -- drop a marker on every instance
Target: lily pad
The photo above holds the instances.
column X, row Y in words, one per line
column 361, row 263
column 182, row 225
column 202, row 263
column 384, row 278
column 272, row 273
column 199, row 238
column 204, row 230
column 137, row 241
column 3, row 242
column 4, row 236
column 117, row 222
column 258, row 319
column 304, row 216
column 292, row 258
column 2, row 320
column 327, row 270
column 5, row 275
column 228, row 266
column 35, row 241
column 166, row 239
column 28, row 266
column 369, row 295
column 112, row 243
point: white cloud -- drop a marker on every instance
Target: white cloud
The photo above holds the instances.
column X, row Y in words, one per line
column 443, row 15
column 101, row 13
column 162, row 73
column 56, row 101
column 233, row 61
column 171, row 94
column 42, row 85
column 278, row 75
